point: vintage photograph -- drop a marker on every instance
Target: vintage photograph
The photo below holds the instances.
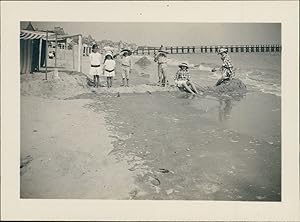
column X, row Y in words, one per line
column 150, row 111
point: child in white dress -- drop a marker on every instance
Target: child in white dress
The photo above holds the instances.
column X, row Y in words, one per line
column 95, row 60
column 109, row 68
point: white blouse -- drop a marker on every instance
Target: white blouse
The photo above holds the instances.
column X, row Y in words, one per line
column 95, row 58
column 109, row 64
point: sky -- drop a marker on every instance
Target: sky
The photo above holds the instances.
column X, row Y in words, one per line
column 172, row 34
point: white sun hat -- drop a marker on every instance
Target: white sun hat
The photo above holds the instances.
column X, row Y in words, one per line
column 222, row 50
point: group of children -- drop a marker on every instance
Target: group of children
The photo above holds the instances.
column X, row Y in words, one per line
column 106, row 67
column 182, row 77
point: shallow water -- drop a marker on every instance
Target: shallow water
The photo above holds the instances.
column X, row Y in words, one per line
column 260, row 71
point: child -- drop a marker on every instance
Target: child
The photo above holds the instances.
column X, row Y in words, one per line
column 95, row 60
column 226, row 68
column 182, row 79
column 126, row 66
column 109, row 68
column 161, row 59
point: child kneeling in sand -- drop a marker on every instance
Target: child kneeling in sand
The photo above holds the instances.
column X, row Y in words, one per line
column 109, row 68
column 226, row 68
column 95, row 60
column 182, row 79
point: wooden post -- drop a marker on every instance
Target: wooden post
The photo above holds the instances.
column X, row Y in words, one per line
column 176, row 49
column 40, row 52
column 79, row 53
column 73, row 53
column 193, row 49
column 46, row 57
column 66, row 44
column 55, row 49
column 182, row 49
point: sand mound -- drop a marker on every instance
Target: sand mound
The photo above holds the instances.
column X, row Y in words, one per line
column 144, row 61
column 234, row 88
column 64, row 86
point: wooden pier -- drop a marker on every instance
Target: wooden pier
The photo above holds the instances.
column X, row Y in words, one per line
column 208, row 49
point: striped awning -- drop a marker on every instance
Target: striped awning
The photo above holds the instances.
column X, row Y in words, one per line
column 28, row 35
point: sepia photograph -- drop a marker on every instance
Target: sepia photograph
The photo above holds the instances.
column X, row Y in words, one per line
column 150, row 111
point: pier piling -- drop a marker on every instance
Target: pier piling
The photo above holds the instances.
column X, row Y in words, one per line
column 209, row 49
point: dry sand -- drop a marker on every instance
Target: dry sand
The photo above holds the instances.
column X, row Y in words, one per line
column 67, row 147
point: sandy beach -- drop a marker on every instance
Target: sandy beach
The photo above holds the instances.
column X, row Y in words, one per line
column 149, row 142
column 63, row 158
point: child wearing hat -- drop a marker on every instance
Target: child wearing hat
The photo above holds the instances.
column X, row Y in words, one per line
column 95, row 60
column 126, row 63
column 226, row 68
column 109, row 68
column 182, row 79
column 161, row 59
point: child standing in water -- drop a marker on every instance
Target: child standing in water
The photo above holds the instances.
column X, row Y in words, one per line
column 95, row 60
column 109, row 68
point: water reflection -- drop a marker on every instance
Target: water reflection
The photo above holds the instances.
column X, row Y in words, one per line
column 186, row 96
column 225, row 107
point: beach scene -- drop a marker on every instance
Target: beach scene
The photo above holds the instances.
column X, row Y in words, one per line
column 150, row 140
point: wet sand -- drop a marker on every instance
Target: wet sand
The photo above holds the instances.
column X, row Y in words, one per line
column 197, row 148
